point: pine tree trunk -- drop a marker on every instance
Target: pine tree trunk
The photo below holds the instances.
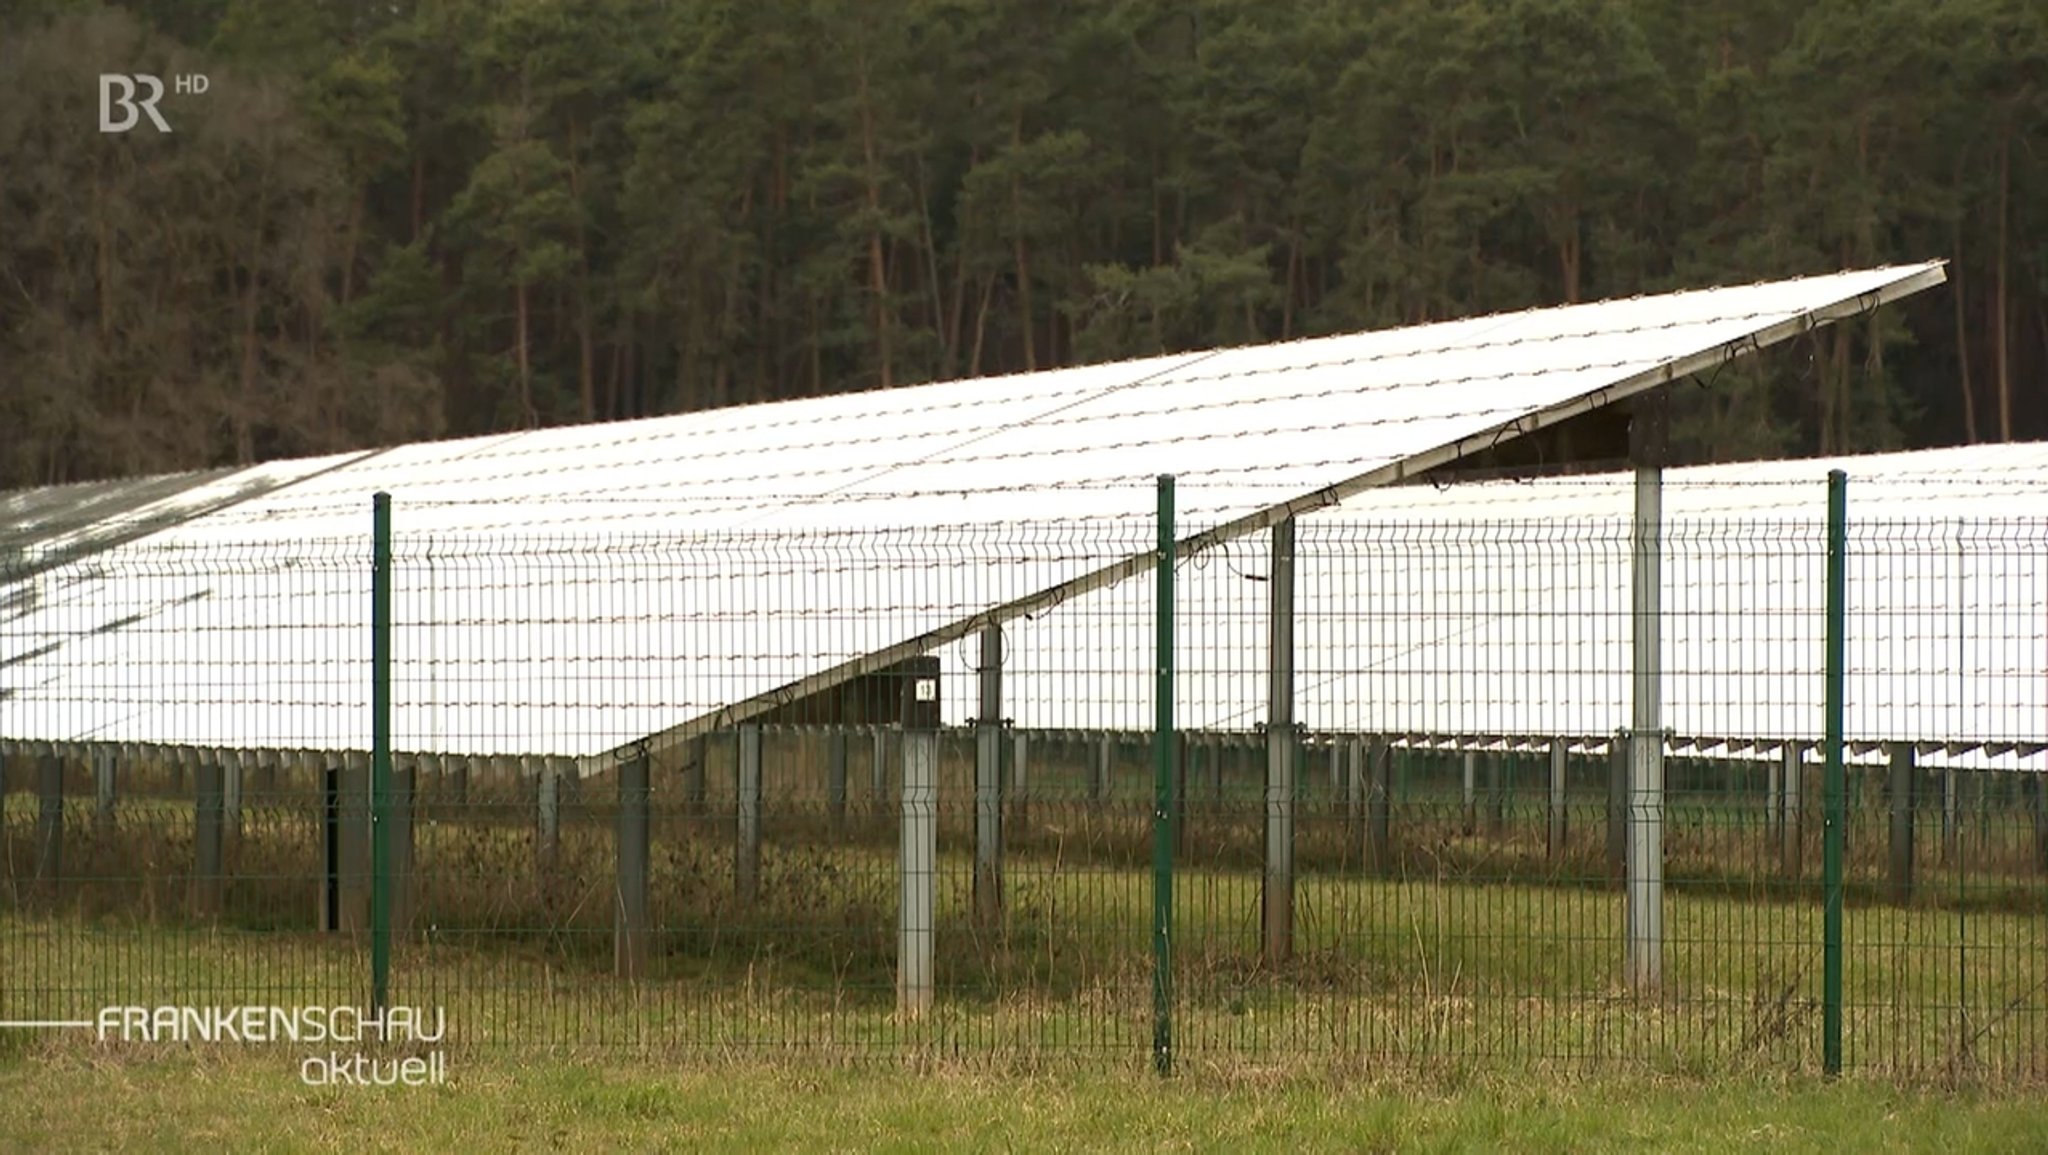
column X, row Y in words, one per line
column 988, row 285
column 245, row 448
column 349, row 247
column 687, row 363
column 1287, row 294
column 419, row 193
column 609, row 406
column 735, row 284
column 103, row 263
column 769, row 325
column 816, row 344
column 1024, row 306
column 935, row 304
column 959, row 308
column 1963, row 346
column 586, row 361
column 1158, row 218
column 246, row 406
column 1022, row 257
column 878, row 276
column 587, row 349
column 526, row 410
column 1568, row 260
column 2002, row 307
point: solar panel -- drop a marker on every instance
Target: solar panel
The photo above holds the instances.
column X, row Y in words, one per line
column 250, row 626
column 1503, row 609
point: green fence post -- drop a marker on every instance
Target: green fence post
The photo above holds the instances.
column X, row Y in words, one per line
column 380, row 753
column 1832, row 787
column 1162, row 793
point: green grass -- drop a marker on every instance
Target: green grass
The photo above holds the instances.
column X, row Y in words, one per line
column 1476, row 953
column 76, row 1098
column 1431, row 974
column 1433, row 1012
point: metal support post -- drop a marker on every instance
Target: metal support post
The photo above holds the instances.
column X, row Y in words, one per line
column 835, row 780
column 1558, row 756
column 1646, row 761
column 1281, row 743
column 1901, row 798
column 207, row 823
column 1833, row 788
column 1792, row 820
column 988, row 786
column 916, row 926
column 630, row 931
column 747, row 827
column 1163, row 787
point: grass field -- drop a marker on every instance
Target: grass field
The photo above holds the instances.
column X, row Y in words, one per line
column 74, row 1099
column 1467, row 999
column 544, row 1056
column 1435, row 974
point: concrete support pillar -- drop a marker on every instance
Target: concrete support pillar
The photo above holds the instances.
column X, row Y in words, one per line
column 1774, row 803
column 1950, row 815
column 1617, row 808
column 455, row 783
column 1281, row 746
column 988, row 786
column 547, row 794
column 629, row 910
column 1792, row 817
column 747, row 830
column 327, row 883
column 1020, row 778
column 429, row 775
column 231, row 777
column 696, row 752
column 1497, row 792
column 1348, row 756
column 1555, row 843
column 401, row 810
column 878, row 770
column 1379, row 790
column 1645, row 954
column 295, row 767
column 835, row 780
column 50, row 818
column 209, row 821
column 916, row 923
column 1979, row 806
column 570, row 780
column 1469, row 821
column 1105, row 755
column 351, row 850
column 132, row 772
column 1900, row 796
column 105, row 757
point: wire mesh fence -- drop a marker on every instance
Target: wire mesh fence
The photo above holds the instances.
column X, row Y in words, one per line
column 801, row 791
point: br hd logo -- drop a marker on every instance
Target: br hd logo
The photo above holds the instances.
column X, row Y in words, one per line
column 118, row 91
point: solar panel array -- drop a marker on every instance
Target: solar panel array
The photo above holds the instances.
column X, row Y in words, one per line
column 248, row 624
column 1242, row 429
column 1501, row 611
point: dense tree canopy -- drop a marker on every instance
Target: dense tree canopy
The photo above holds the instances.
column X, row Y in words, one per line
column 395, row 220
